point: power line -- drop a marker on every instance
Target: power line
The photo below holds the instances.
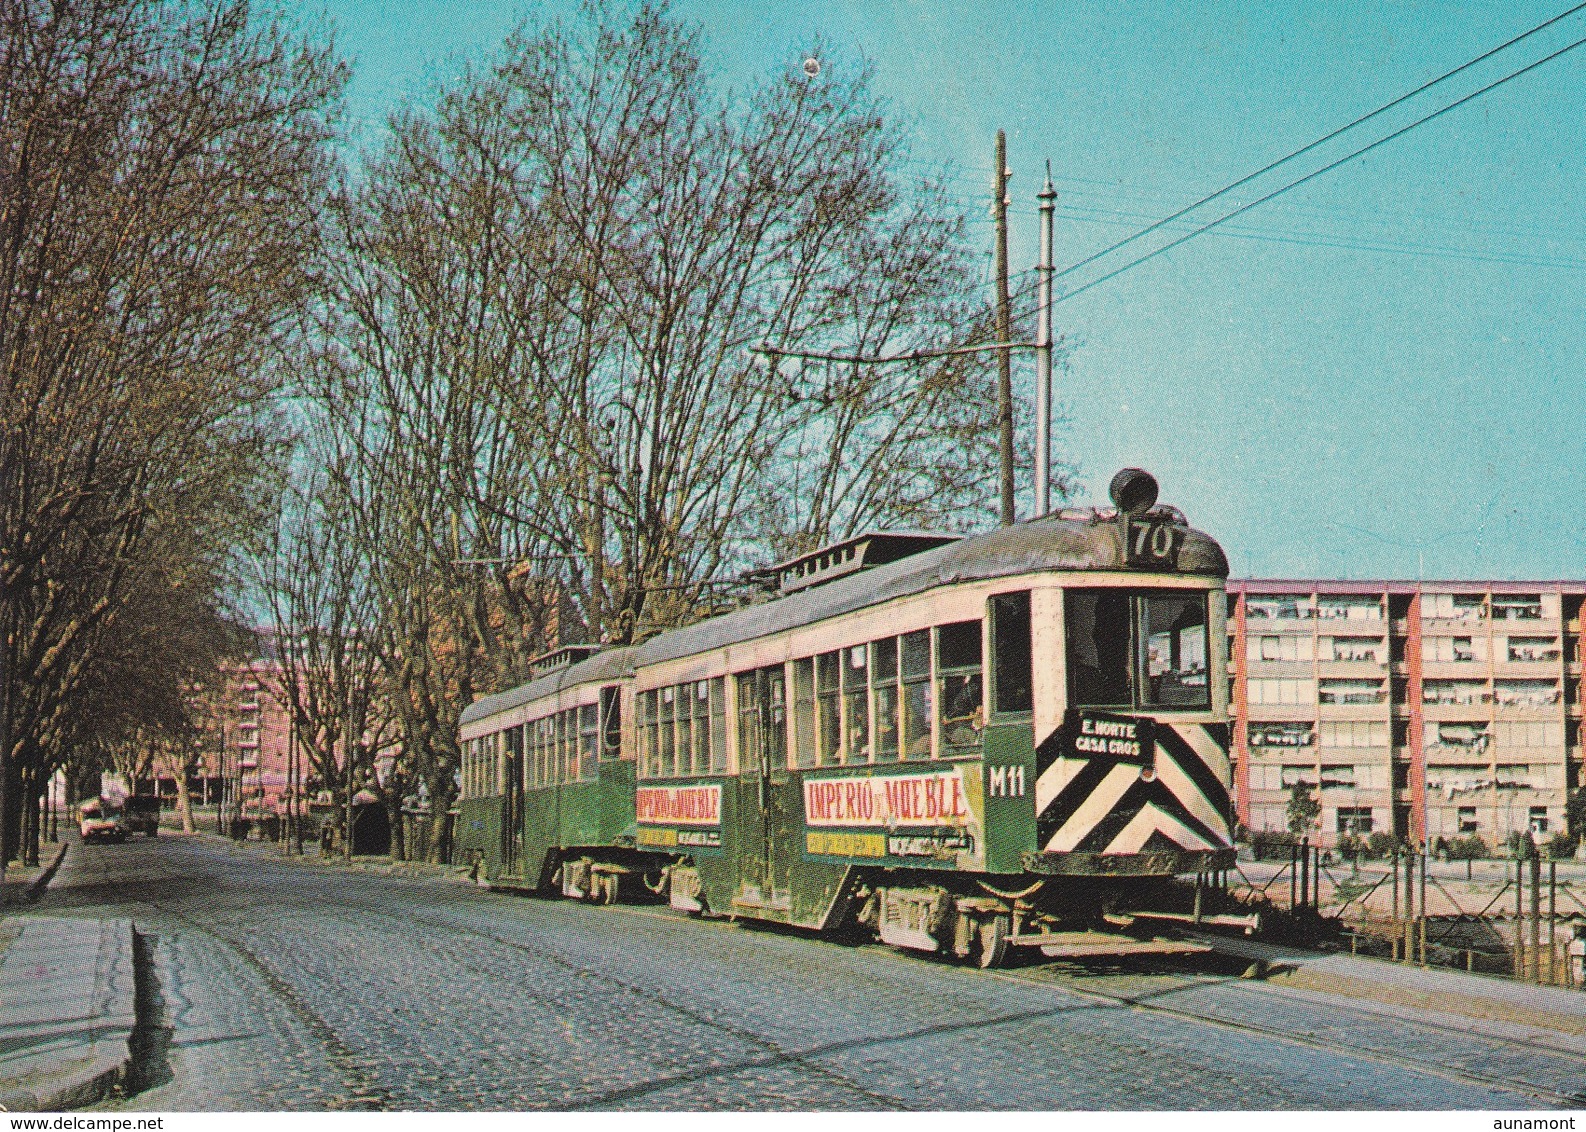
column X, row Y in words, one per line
column 1335, row 133
column 1309, row 176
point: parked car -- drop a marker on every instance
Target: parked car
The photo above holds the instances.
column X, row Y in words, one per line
column 102, row 821
column 141, row 814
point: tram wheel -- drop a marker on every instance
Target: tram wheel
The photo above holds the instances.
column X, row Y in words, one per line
column 993, row 940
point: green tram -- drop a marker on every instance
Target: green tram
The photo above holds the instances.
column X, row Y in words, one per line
column 961, row 744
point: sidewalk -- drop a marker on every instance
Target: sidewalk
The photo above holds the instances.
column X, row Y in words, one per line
column 67, row 1010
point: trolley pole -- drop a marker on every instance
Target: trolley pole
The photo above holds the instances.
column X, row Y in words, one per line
column 1043, row 353
column 999, row 209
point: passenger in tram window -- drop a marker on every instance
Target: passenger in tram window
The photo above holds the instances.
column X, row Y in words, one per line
column 884, row 691
column 958, row 662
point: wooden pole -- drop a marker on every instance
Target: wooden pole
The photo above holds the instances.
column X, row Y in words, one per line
column 999, row 209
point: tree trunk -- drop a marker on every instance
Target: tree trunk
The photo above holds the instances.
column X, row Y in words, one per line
column 184, row 801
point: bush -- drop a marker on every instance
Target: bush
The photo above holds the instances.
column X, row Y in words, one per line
column 1521, row 846
column 1382, row 844
column 1440, row 847
column 1351, row 847
column 1471, row 848
column 1271, row 844
column 1561, row 846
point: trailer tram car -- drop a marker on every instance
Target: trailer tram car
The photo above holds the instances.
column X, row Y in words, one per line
column 961, row 744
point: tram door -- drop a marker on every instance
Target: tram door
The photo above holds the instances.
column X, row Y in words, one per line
column 762, row 851
column 512, row 804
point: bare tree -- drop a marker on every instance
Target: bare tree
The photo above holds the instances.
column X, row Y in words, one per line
column 159, row 167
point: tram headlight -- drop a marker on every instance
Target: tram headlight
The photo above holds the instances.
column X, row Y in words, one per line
column 1133, row 490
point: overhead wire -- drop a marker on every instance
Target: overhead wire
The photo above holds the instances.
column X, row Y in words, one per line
column 1364, row 118
column 1209, row 226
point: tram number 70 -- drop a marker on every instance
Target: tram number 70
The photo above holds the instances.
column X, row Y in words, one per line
column 1006, row 781
column 1152, row 543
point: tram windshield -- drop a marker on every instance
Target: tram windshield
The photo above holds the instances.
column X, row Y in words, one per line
column 1142, row 650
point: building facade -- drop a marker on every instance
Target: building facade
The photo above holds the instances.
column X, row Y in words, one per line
column 1425, row 709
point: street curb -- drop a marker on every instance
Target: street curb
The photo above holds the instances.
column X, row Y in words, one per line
column 39, row 883
column 111, row 1059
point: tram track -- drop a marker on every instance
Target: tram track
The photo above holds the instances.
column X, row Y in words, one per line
column 1142, row 1003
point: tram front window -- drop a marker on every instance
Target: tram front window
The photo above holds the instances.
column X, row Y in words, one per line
column 1098, row 648
column 1134, row 650
column 1173, row 651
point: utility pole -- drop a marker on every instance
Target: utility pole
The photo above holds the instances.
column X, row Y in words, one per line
column 999, row 208
column 1043, row 354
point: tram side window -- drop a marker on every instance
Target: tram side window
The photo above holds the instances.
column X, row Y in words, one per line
column 667, row 758
column 718, row 725
column 514, row 767
column 884, row 693
column 649, row 735
column 915, row 670
column 611, row 723
column 856, row 704
column 762, row 719
column 828, row 714
column 958, row 677
column 588, row 740
column 1011, row 670
column 804, row 712
column 750, row 749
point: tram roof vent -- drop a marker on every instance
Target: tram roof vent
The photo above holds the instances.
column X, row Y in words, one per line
column 840, row 559
column 567, row 655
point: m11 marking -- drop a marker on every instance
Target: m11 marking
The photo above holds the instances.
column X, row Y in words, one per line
column 1007, row 782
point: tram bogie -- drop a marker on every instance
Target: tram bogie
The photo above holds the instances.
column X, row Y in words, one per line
column 965, row 746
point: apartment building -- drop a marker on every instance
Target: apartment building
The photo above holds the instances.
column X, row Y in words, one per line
column 1427, row 709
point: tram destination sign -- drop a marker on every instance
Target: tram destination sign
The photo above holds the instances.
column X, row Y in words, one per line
column 1089, row 734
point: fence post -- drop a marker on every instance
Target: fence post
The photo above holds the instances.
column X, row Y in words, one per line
column 1519, row 919
column 1536, row 919
column 1424, row 858
column 1552, row 922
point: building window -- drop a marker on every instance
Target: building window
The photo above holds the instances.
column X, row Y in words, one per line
column 1353, row 819
column 1280, row 607
column 1298, row 776
column 1538, row 819
column 1467, row 819
column 1281, row 693
column 1455, row 692
column 1526, row 693
column 1349, row 609
column 1528, row 649
column 1352, row 649
column 1353, row 733
column 1453, row 607
column 1351, row 692
column 1337, row 776
column 1517, row 607
column 1281, row 735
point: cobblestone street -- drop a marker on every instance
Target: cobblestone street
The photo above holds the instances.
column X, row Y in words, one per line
column 291, row 985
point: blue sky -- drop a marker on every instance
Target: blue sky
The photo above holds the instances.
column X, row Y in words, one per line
column 1375, row 375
